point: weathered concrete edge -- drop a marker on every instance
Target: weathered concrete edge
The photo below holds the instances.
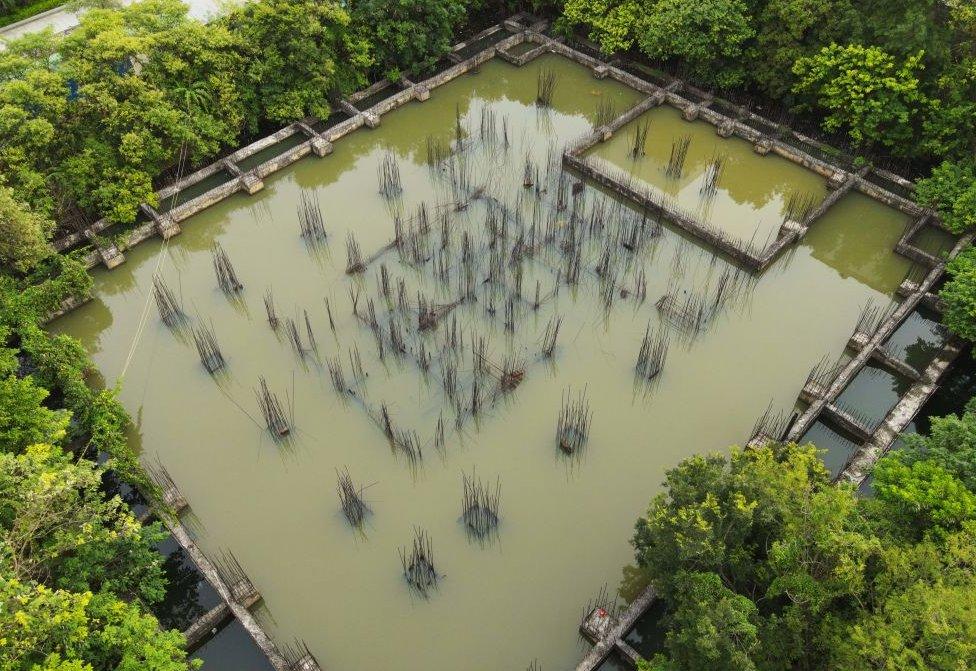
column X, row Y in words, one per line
column 245, row 617
column 602, row 649
column 867, row 455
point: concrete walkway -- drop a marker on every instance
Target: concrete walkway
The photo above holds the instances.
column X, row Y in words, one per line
column 61, row 19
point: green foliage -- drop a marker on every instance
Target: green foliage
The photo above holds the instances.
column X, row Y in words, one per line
column 764, row 564
column 408, row 35
column 951, row 190
column 23, row 419
column 96, row 129
column 58, row 529
column 49, row 630
column 712, row 627
column 23, row 233
column 865, row 92
column 959, row 294
column 788, row 30
column 919, row 496
column 921, row 611
column 610, row 23
column 707, row 36
column 951, row 443
column 295, row 53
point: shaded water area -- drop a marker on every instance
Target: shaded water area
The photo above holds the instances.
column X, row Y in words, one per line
column 751, row 193
column 564, row 519
column 232, row 649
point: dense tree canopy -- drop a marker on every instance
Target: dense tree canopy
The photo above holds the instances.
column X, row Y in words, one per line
column 295, row 53
column 408, row 34
column 763, row 563
column 951, row 190
column 867, row 93
column 959, row 294
column 59, row 630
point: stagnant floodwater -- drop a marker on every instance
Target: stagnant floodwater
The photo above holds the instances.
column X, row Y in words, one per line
column 565, row 522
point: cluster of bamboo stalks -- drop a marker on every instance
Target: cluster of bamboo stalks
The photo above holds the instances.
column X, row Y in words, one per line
column 418, row 563
column 573, row 425
column 226, row 275
column 479, row 505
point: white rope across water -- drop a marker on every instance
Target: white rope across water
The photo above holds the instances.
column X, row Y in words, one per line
column 144, row 316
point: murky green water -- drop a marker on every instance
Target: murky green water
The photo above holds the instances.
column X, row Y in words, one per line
column 934, row 240
column 751, row 191
column 565, row 522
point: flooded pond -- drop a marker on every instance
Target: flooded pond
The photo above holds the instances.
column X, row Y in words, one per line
column 734, row 344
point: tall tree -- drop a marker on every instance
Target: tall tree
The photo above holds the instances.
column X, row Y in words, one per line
column 865, row 92
column 295, row 53
column 408, row 35
column 23, row 233
column 707, row 36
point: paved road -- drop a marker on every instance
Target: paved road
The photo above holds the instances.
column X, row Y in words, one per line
column 62, row 20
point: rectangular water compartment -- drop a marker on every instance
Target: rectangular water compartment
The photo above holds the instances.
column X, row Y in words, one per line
column 933, row 240
column 482, row 44
column 233, row 649
column 838, row 448
column 721, row 182
column 188, row 594
column 888, row 185
column 521, row 48
column 334, row 119
column 917, row 340
column 648, row 73
column 647, row 634
column 871, row 395
column 219, row 178
column 379, row 96
column 857, row 237
column 268, row 153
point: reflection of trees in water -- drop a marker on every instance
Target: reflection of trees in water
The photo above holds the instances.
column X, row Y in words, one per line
column 181, row 606
column 920, row 353
column 958, row 387
column 856, row 237
column 632, row 582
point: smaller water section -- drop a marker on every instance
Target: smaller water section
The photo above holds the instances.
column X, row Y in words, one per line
column 232, row 650
column 647, row 636
column 836, row 448
column 933, row 240
column 193, row 191
column 872, row 394
column 268, row 153
column 615, row 662
column 917, row 340
column 751, row 193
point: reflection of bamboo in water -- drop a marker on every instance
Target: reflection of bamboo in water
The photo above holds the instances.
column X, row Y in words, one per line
column 351, row 498
column 479, row 504
column 269, row 308
column 679, row 153
column 208, row 349
column 653, row 353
